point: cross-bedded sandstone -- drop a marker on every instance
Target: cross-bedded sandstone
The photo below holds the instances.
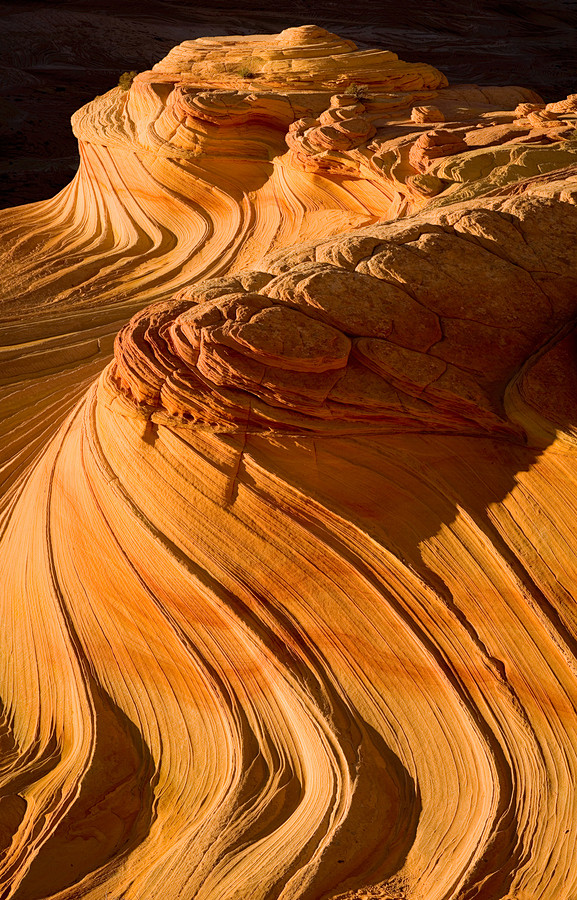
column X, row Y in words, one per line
column 288, row 583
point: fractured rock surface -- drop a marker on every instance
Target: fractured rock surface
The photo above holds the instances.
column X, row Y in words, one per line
column 288, row 580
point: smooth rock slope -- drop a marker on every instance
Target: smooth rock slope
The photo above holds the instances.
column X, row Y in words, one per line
column 288, row 583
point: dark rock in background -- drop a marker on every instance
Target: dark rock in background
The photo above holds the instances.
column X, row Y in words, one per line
column 56, row 56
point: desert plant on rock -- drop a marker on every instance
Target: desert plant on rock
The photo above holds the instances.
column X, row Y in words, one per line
column 358, row 91
column 126, row 79
column 249, row 69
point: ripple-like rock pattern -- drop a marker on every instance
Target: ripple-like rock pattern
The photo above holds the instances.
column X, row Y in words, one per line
column 288, row 598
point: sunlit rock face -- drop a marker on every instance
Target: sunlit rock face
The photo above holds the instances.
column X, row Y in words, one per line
column 229, row 149
column 288, row 597
column 393, row 328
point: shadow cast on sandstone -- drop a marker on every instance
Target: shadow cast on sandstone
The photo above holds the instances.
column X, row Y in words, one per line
column 100, row 827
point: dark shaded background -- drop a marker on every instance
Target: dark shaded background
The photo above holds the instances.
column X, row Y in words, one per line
column 54, row 57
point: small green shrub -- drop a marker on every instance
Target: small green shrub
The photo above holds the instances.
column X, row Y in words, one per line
column 250, row 68
column 358, row 91
column 126, row 80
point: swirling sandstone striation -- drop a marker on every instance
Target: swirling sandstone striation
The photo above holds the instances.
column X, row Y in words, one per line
column 228, row 149
column 288, row 598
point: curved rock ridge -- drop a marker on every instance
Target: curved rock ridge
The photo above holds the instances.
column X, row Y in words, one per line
column 188, row 173
column 229, row 149
column 294, row 582
column 288, row 583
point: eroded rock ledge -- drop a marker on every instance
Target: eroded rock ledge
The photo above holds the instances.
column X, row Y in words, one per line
column 391, row 329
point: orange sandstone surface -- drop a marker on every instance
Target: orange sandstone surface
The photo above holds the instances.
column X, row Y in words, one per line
column 288, row 522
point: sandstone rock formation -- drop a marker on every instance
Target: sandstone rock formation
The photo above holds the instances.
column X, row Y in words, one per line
column 56, row 57
column 288, row 594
